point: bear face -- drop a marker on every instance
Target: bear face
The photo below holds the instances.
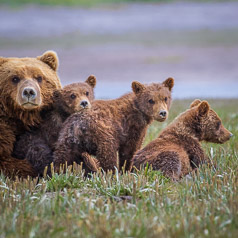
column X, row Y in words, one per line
column 154, row 100
column 75, row 97
column 27, row 84
column 211, row 126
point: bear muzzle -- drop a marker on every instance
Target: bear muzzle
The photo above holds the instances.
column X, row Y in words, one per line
column 83, row 105
column 29, row 96
column 162, row 116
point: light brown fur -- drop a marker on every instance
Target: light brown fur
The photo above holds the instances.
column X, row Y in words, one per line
column 20, row 78
column 37, row 145
column 114, row 126
column 177, row 150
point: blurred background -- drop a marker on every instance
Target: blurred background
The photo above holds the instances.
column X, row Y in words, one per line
column 120, row 41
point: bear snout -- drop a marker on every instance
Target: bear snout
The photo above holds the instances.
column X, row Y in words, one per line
column 225, row 136
column 84, row 104
column 29, row 93
column 163, row 113
column 29, row 96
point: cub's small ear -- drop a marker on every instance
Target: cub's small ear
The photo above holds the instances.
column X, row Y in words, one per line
column 50, row 58
column 91, row 80
column 137, row 87
column 169, row 83
column 195, row 103
column 56, row 95
column 203, row 108
column 2, row 60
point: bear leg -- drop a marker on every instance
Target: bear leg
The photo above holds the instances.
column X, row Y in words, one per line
column 107, row 156
column 39, row 155
column 125, row 156
column 12, row 167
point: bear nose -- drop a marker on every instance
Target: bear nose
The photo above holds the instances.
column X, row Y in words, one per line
column 84, row 104
column 162, row 113
column 29, row 93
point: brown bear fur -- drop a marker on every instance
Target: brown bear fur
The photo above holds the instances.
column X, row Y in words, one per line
column 26, row 88
column 37, row 145
column 114, row 126
column 177, row 150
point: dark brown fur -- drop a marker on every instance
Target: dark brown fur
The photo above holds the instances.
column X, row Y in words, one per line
column 114, row 126
column 37, row 145
column 177, row 150
column 18, row 114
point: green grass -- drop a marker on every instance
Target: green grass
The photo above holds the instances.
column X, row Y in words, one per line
column 143, row 204
column 89, row 2
column 196, row 38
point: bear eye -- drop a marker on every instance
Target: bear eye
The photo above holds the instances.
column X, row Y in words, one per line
column 218, row 125
column 39, row 79
column 151, row 101
column 15, row 79
column 165, row 99
column 87, row 93
column 73, row 96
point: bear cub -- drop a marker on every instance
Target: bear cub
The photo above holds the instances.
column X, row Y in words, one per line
column 177, row 151
column 114, row 128
column 38, row 144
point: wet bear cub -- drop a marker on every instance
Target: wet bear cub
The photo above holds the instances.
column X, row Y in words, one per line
column 177, row 150
column 37, row 145
column 112, row 130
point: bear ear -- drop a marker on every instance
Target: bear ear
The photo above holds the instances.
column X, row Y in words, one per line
column 137, row 87
column 195, row 103
column 50, row 58
column 91, row 81
column 2, row 60
column 169, row 83
column 203, row 108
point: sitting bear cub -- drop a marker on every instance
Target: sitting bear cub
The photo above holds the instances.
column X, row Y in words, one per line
column 37, row 145
column 114, row 127
column 177, row 150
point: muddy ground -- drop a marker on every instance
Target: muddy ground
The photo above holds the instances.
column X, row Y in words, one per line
column 196, row 43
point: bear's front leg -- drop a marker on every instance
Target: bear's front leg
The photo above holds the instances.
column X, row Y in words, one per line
column 65, row 151
column 126, row 153
column 39, row 155
column 107, row 156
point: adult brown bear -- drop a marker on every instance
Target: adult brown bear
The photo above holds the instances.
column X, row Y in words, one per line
column 26, row 88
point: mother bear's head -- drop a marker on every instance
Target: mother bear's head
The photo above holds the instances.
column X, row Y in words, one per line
column 27, row 85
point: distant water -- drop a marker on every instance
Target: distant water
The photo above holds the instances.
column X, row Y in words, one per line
column 181, row 90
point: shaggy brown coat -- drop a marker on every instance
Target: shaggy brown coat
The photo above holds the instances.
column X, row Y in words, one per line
column 177, row 150
column 37, row 145
column 26, row 88
column 114, row 126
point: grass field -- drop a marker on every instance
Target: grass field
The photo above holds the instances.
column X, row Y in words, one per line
column 91, row 2
column 143, row 204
